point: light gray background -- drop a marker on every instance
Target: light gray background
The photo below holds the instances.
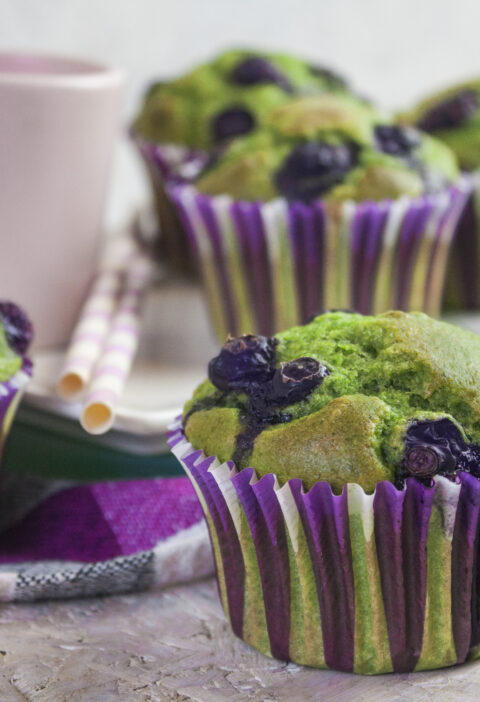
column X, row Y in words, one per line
column 393, row 50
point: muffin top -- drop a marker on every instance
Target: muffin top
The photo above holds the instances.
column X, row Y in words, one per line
column 345, row 399
column 453, row 116
column 329, row 145
column 228, row 96
column 15, row 336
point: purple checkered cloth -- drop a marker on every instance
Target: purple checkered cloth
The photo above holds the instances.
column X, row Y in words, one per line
column 102, row 538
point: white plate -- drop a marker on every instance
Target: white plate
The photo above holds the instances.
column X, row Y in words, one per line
column 175, row 346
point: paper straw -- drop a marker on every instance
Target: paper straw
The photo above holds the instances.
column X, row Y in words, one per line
column 92, row 328
column 116, row 358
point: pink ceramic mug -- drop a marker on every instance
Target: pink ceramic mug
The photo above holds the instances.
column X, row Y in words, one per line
column 58, row 121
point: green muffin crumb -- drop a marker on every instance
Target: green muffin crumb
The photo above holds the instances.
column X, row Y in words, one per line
column 186, row 110
column 331, row 146
column 383, row 374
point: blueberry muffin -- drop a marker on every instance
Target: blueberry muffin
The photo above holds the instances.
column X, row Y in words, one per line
column 227, row 96
column 333, row 146
column 344, row 519
column 16, row 333
column 345, row 399
column 452, row 116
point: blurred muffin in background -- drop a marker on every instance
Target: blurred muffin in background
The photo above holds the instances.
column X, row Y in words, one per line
column 227, row 96
column 181, row 119
column 329, row 205
column 453, row 115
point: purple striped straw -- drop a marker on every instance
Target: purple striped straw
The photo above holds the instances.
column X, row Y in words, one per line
column 92, row 328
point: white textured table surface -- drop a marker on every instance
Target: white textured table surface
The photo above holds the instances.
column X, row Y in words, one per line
column 176, row 645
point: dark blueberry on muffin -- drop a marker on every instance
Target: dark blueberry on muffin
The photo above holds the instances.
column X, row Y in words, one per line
column 18, row 328
column 313, row 168
column 242, row 361
column 231, row 122
column 451, row 112
column 294, row 380
column 255, row 70
column 396, row 140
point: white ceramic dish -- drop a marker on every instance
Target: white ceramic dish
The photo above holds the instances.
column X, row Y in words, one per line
column 174, row 349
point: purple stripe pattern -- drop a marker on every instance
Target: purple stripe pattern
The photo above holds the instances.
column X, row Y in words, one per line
column 161, row 162
column 325, row 521
column 231, row 554
column 466, row 629
column 401, row 529
column 306, row 226
column 402, row 550
column 383, row 258
column 463, row 281
column 268, row 532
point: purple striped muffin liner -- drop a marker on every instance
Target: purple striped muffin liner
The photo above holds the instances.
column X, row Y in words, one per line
column 362, row 583
column 11, row 392
column 269, row 266
column 163, row 162
column 463, row 279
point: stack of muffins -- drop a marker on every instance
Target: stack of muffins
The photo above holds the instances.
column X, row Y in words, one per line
column 337, row 462
column 293, row 194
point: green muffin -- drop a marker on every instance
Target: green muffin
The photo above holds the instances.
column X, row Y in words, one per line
column 453, row 116
column 227, row 96
column 345, row 399
column 333, row 146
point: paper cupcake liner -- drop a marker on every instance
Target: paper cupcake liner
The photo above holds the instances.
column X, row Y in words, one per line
column 11, row 392
column 463, row 279
column 162, row 162
column 268, row 266
column 361, row 583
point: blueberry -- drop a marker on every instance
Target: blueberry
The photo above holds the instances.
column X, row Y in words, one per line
column 433, row 447
column 469, row 460
column 333, row 80
column 242, row 361
column 295, row 380
column 422, row 460
column 396, row 140
column 440, row 431
column 314, row 167
column 17, row 326
column 256, row 70
column 450, row 113
column 231, row 122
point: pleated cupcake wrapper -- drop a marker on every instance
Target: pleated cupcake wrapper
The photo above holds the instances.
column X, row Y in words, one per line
column 11, row 392
column 360, row 583
column 162, row 162
column 463, row 279
column 269, row 266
